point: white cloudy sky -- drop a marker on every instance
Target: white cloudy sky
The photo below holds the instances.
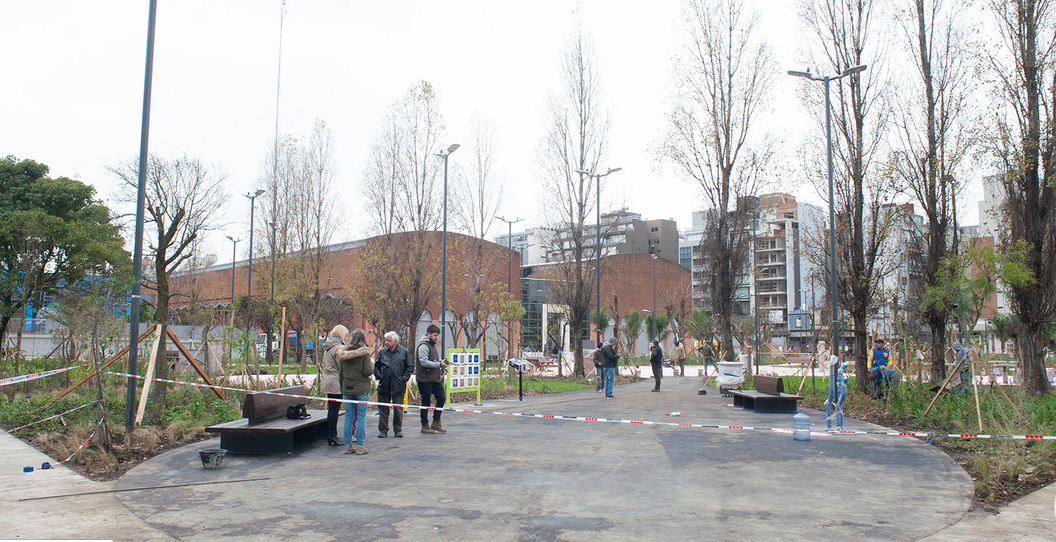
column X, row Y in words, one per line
column 73, row 86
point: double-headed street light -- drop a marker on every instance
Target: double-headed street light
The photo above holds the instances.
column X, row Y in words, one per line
column 249, row 280
column 832, row 201
column 443, row 270
column 597, row 242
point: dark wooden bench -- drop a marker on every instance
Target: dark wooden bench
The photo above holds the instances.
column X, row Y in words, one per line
column 265, row 429
column 768, row 396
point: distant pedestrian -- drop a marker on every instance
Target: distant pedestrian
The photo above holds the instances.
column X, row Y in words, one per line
column 879, row 371
column 680, row 357
column 356, row 370
column 429, row 371
column 608, row 352
column 599, row 366
column 392, row 369
column 656, row 359
column 708, row 353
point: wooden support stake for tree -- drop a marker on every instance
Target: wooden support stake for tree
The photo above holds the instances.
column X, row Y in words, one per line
column 813, row 360
column 282, row 342
column 198, row 368
column 105, row 364
column 938, row 393
column 978, row 412
column 149, row 376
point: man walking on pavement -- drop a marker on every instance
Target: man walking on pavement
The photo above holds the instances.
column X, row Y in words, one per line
column 429, row 371
column 709, row 356
column 392, row 369
column 656, row 359
column 608, row 352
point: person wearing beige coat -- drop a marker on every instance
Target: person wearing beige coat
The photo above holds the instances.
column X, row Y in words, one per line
column 334, row 352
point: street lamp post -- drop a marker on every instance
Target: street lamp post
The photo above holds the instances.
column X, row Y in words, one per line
column 249, row 278
column 832, row 201
column 597, row 241
column 443, row 269
column 509, row 276
column 234, row 255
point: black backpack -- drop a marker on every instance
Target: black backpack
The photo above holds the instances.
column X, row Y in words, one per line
column 297, row 412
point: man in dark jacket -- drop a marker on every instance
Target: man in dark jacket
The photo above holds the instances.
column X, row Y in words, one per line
column 608, row 353
column 392, row 369
column 656, row 359
column 429, row 371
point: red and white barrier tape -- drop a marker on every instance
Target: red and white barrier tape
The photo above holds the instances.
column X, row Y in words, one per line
column 612, row 420
column 33, row 376
column 59, row 415
column 86, row 441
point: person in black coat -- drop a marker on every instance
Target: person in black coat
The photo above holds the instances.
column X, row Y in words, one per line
column 393, row 367
column 656, row 359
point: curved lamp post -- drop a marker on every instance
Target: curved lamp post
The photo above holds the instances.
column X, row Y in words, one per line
column 832, row 202
column 443, row 271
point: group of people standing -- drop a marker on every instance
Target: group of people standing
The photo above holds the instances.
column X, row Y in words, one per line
column 606, row 358
column 348, row 366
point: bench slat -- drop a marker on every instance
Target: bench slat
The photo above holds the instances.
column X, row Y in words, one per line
column 259, row 407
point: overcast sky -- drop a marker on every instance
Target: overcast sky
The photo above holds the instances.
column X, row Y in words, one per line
column 73, row 87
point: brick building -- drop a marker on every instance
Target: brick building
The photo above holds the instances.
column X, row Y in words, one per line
column 345, row 273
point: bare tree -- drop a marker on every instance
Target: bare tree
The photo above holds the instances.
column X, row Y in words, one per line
column 843, row 31
column 478, row 196
column 183, row 200
column 402, row 184
column 934, row 141
column 576, row 139
column 300, row 224
column 1025, row 148
column 724, row 76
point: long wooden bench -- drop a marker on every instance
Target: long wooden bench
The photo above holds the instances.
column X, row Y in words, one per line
column 768, row 396
column 265, row 429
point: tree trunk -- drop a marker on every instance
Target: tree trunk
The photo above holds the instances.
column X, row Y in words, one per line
column 938, row 350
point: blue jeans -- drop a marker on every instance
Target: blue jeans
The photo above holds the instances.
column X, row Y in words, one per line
column 610, row 379
column 356, row 413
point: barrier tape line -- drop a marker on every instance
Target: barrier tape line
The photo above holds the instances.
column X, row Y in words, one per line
column 612, row 420
column 59, row 415
column 33, row 376
column 86, row 441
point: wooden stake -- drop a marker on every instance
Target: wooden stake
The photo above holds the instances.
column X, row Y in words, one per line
column 198, row 368
column 149, row 375
column 105, row 364
column 813, row 360
column 978, row 412
column 282, row 342
column 943, row 387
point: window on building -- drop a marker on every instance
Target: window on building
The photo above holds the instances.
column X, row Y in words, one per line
column 655, row 229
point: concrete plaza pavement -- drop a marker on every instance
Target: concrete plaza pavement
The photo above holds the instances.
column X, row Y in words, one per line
column 512, row 478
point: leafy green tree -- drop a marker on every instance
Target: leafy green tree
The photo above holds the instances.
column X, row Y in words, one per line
column 700, row 324
column 662, row 322
column 53, row 232
column 631, row 329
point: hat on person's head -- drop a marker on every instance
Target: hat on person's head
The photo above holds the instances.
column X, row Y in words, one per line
column 879, row 340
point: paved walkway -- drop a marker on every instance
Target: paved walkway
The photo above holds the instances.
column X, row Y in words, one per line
column 512, row 478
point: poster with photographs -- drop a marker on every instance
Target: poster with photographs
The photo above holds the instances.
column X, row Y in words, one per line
column 464, row 371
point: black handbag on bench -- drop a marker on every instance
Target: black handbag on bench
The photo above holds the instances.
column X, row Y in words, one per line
column 297, row 412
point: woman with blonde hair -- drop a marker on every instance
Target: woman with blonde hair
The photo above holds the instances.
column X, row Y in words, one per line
column 333, row 354
column 355, row 371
